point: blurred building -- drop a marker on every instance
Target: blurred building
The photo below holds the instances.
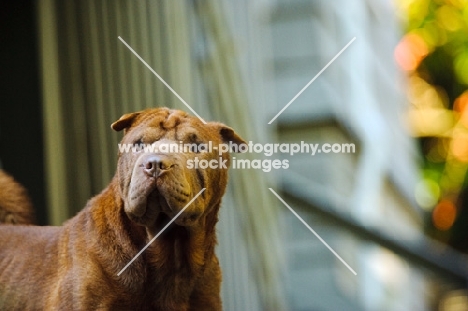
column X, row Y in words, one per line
column 359, row 99
column 361, row 204
column 240, row 63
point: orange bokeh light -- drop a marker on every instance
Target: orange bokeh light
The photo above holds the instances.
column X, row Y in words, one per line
column 460, row 105
column 461, row 102
column 410, row 51
column 444, row 214
column 460, row 146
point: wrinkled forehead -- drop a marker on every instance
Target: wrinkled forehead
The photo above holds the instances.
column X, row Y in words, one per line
column 161, row 118
column 171, row 124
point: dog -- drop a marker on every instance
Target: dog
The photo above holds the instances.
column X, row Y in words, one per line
column 76, row 266
column 15, row 204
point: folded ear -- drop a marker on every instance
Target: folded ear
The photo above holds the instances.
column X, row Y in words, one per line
column 229, row 135
column 125, row 121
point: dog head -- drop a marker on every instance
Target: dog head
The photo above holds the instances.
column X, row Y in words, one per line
column 166, row 158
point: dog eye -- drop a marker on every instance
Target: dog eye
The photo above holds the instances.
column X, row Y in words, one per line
column 197, row 149
column 139, row 141
column 193, row 138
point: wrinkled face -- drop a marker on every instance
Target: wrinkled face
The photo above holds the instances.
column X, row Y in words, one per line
column 166, row 165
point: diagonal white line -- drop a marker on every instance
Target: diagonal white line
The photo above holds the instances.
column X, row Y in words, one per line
column 312, row 230
column 160, row 232
column 313, row 79
column 162, row 80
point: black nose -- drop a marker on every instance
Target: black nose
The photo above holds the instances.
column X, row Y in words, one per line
column 156, row 164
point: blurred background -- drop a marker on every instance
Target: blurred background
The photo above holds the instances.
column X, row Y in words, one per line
column 396, row 210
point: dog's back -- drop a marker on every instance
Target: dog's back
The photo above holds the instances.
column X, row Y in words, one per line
column 15, row 205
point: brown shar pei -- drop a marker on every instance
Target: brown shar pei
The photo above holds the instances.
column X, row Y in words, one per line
column 15, row 204
column 75, row 266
